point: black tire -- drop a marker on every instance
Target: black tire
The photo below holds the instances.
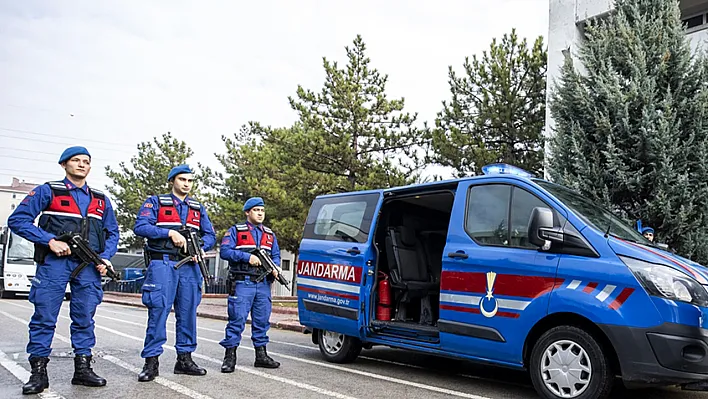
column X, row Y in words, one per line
column 7, row 295
column 601, row 376
column 347, row 352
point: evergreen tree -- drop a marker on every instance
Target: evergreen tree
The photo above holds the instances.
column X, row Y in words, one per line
column 629, row 128
column 349, row 136
column 497, row 111
column 256, row 165
column 145, row 176
column 350, row 132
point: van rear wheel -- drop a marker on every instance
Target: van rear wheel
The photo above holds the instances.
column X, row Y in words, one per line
column 338, row 348
column 567, row 362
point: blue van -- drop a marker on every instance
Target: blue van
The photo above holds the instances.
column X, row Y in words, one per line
column 505, row 269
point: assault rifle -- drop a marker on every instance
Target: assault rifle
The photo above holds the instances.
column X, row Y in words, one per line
column 191, row 250
column 268, row 264
column 80, row 247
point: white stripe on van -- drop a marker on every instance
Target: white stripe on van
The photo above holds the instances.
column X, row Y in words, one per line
column 354, row 289
column 474, row 301
column 574, row 284
column 607, row 291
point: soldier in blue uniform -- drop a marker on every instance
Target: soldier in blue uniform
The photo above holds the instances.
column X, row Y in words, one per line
column 159, row 220
column 249, row 296
column 65, row 206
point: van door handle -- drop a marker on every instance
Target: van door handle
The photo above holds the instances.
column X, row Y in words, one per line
column 353, row 251
column 458, row 254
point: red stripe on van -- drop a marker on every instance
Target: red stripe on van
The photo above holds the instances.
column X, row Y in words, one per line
column 621, row 298
column 504, row 284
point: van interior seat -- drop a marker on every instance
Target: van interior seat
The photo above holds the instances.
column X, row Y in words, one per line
column 408, row 262
column 434, row 245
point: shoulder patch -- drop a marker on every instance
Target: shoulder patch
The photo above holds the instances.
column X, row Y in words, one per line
column 148, row 205
column 242, row 227
column 57, row 185
column 165, row 200
column 97, row 193
column 194, row 205
column 267, row 230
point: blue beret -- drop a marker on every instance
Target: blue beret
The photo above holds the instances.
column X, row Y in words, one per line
column 253, row 201
column 177, row 170
column 73, row 151
column 647, row 230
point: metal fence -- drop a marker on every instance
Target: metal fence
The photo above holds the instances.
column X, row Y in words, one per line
column 215, row 287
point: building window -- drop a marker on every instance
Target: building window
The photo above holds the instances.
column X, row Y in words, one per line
column 694, row 22
column 286, row 264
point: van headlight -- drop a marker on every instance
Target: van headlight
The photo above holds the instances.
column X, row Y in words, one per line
column 666, row 282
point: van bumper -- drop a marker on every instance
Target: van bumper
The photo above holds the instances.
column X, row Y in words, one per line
column 667, row 354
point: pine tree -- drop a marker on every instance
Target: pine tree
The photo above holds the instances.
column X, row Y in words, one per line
column 351, row 132
column 629, row 127
column 255, row 164
column 497, row 111
column 349, row 136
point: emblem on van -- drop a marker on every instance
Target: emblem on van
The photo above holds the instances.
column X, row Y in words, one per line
column 489, row 300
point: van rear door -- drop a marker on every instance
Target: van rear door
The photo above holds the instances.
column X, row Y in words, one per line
column 335, row 258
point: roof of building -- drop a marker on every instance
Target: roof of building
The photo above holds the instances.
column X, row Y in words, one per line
column 19, row 186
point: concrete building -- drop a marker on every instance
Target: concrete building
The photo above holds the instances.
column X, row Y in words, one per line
column 10, row 197
column 567, row 19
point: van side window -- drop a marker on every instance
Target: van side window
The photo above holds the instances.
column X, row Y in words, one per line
column 346, row 218
column 490, row 219
column 487, row 210
column 522, row 204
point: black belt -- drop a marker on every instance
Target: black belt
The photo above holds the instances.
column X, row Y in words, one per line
column 160, row 256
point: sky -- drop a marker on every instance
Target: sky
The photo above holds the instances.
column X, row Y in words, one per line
column 111, row 74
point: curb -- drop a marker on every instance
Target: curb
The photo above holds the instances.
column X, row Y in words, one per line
column 297, row 327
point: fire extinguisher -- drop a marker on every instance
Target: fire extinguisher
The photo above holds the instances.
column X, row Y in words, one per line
column 383, row 308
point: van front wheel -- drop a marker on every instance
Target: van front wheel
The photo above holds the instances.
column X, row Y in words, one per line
column 338, row 348
column 567, row 362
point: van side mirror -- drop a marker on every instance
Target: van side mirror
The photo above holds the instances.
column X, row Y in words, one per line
column 541, row 231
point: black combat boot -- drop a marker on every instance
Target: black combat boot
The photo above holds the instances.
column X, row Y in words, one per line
column 151, row 369
column 83, row 374
column 185, row 365
column 39, row 380
column 263, row 360
column 229, row 360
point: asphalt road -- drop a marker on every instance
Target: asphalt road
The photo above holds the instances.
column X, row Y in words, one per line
column 377, row 373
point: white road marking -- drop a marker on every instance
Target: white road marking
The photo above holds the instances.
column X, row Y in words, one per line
column 307, row 347
column 23, row 375
column 253, row 371
column 160, row 380
column 311, row 348
column 312, row 362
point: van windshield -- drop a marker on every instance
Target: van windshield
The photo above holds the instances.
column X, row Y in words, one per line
column 599, row 218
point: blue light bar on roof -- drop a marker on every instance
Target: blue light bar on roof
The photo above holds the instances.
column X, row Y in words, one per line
column 505, row 169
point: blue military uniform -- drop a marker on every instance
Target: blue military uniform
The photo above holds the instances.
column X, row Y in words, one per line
column 64, row 207
column 165, row 286
column 248, row 295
